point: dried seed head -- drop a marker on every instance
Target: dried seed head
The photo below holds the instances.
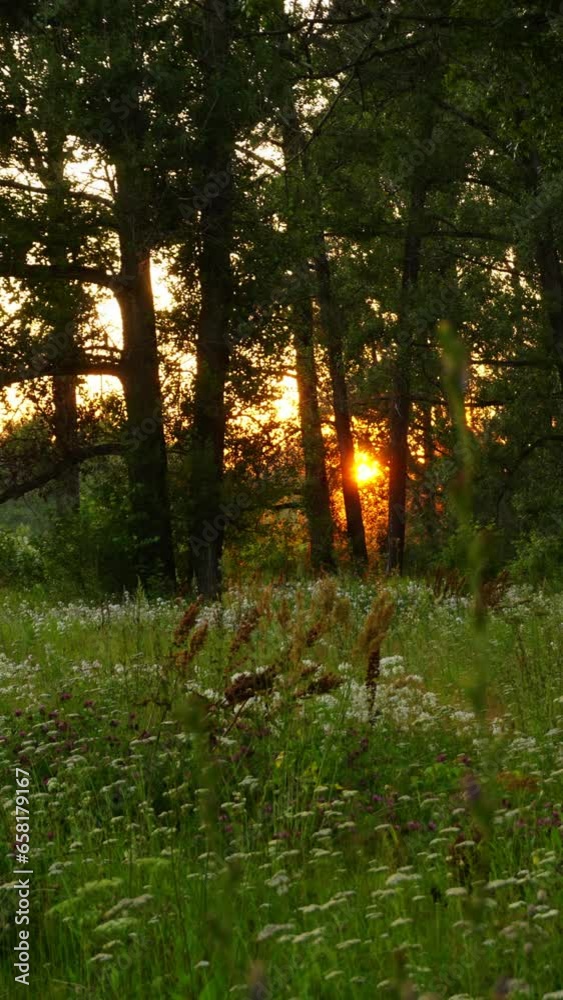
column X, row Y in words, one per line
column 322, row 685
column 374, row 631
column 283, row 612
column 493, row 591
column 244, row 632
column 199, row 635
column 377, row 623
column 247, row 685
column 187, row 622
column 448, row 583
column 324, row 596
column 314, row 633
column 342, row 611
column 258, row 987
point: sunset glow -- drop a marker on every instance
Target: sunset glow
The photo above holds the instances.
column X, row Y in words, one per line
column 367, row 468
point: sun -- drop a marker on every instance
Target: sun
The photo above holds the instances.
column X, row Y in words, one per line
column 366, row 468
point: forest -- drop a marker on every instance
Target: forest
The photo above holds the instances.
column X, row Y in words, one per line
column 281, row 547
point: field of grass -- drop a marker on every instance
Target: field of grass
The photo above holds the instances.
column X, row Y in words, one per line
column 230, row 813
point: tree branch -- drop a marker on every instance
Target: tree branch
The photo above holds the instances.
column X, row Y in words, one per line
column 545, row 439
column 356, row 64
column 97, row 199
column 67, row 272
column 69, row 367
column 475, row 123
column 514, row 362
column 18, row 490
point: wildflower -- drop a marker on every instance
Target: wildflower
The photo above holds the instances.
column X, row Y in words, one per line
column 499, row 883
column 546, row 916
column 280, row 882
column 400, row 877
column 271, row 929
column 308, row 935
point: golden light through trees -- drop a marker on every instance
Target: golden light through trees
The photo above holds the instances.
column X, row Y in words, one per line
column 367, row 468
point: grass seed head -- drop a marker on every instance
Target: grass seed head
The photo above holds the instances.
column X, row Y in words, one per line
column 245, row 630
column 187, row 622
column 247, row 685
column 187, row 656
column 324, row 597
column 321, row 685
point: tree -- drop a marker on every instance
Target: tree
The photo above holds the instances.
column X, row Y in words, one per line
column 216, row 173
column 95, row 79
column 315, row 491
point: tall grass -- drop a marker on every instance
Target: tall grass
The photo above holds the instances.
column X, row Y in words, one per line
column 233, row 824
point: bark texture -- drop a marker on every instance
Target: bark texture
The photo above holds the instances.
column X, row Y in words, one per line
column 333, row 330
column 216, row 283
column 316, row 493
column 67, row 487
column 145, row 448
column 400, row 415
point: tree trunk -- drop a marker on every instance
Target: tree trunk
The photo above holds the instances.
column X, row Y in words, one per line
column 549, row 263
column 316, row 493
column 551, row 278
column 67, row 486
column 331, row 321
column 145, row 447
column 399, row 420
column 209, row 520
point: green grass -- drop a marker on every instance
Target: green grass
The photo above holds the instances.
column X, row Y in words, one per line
column 285, row 847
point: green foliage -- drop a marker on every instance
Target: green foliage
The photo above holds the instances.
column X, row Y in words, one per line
column 273, row 548
column 91, row 552
column 87, row 552
column 460, row 105
column 21, row 564
column 539, row 559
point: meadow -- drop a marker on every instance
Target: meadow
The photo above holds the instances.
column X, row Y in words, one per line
column 219, row 806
